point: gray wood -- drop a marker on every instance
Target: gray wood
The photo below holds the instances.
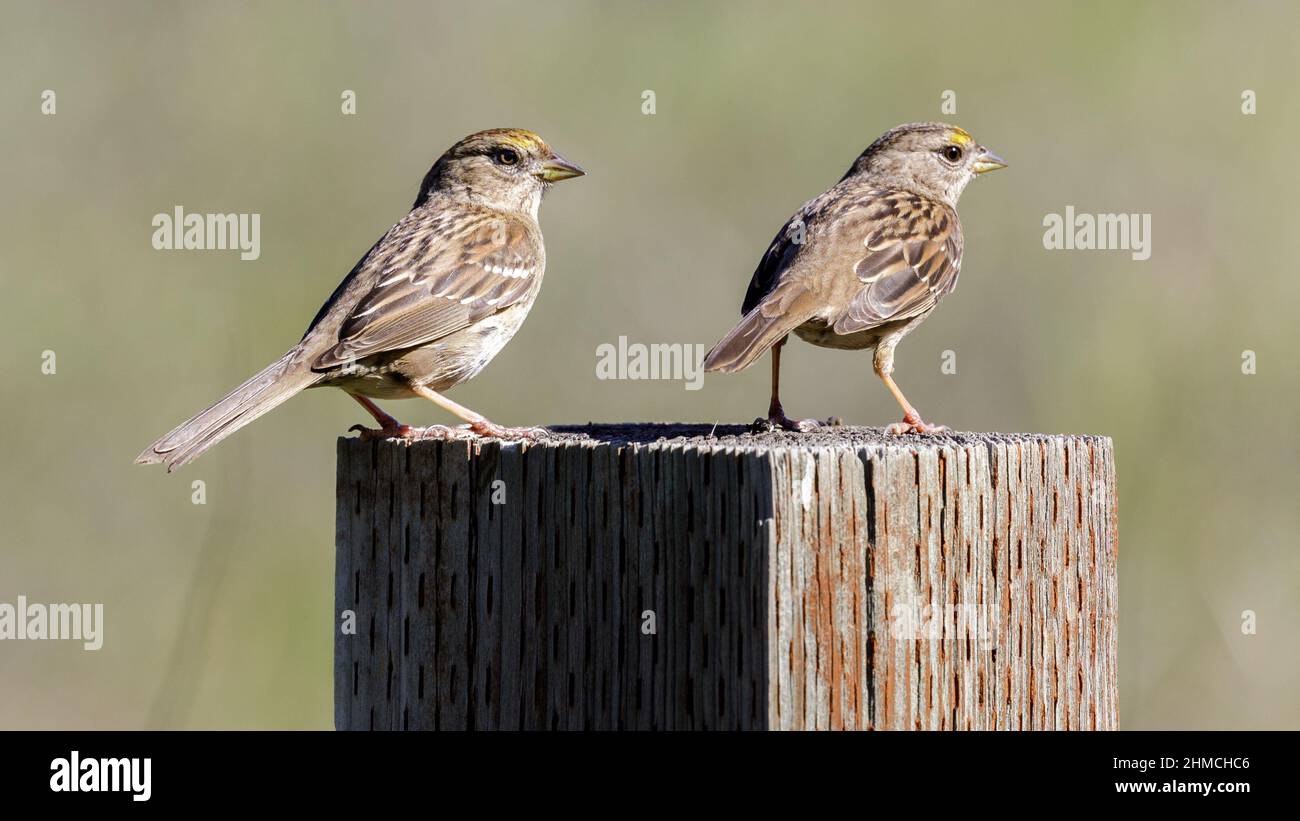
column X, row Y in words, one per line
column 485, row 586
column 837, row 580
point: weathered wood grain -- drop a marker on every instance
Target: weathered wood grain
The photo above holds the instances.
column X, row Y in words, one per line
column 682, row 577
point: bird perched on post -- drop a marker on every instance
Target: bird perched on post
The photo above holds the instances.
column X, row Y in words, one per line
column 425, row 309
column 864, row 263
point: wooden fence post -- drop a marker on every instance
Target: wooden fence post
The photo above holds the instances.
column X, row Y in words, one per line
column 659, row 577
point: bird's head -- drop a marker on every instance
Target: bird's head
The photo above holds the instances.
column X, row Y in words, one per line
column 504, row 168
column 935, row 160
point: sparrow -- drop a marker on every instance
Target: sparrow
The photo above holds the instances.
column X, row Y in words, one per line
column 864, row 263
column 427, row 307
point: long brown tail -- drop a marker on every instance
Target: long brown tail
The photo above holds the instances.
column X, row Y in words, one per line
column 273, row 385
column 765, row 325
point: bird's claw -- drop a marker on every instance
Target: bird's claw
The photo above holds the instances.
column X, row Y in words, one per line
column 491, row 430
column 394, row 432
column 913, row 423
column 783, row 422
column 484, row 429
column 409, row 433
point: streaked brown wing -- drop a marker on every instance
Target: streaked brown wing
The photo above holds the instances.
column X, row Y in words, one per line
column 432, row 283
column 785, row 247
column 770, row 268
column 913, row 257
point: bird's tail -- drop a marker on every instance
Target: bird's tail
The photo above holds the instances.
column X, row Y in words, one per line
column 766, row 324
column 273, row 385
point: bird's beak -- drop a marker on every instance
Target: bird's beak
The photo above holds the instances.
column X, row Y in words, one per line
column 557, row 168
column 987, row 161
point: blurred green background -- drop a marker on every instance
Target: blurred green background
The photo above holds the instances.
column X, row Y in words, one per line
column 219, row 615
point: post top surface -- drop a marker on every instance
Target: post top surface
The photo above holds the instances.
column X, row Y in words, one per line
column 707, row 436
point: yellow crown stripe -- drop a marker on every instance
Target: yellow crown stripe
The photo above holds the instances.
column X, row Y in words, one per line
column 522, row 139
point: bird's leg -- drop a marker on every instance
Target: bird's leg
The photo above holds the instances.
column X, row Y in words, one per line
column 478, row 423
column 776, row 417
column 389, row 427
column 912, row 421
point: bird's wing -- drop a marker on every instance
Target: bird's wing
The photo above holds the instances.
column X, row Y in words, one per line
column 780, row 254
column 778, row 299
column 912, row 259
column 433, row 277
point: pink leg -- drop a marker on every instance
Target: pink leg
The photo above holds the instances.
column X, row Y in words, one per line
column 776, row 417
column 389, row 427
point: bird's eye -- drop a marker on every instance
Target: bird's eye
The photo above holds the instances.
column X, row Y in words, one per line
column 507, row 157
column 951, row 153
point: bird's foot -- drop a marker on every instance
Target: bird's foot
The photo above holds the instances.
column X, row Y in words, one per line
column 492, row 430
column 409, row 433
column 779, row 421
column 913, row 423
column 396, row 431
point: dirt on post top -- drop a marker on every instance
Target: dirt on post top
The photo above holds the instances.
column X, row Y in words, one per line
column 709, row 435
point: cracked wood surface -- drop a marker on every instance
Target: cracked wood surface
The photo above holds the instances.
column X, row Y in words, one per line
column 836, row 580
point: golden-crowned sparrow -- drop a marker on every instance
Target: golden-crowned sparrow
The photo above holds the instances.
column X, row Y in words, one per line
column 426, row 308
column 864, row 263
